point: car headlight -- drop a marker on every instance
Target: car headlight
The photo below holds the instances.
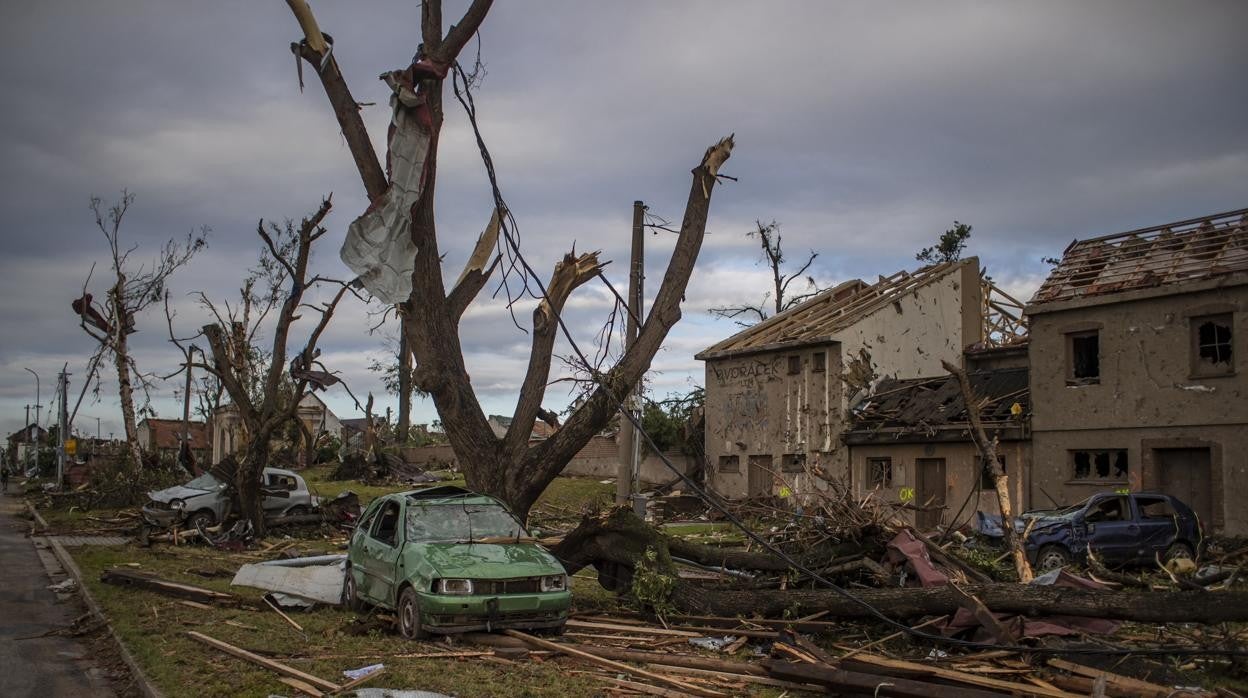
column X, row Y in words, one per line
column 457, row 587
column 555, row 582
column 177, row 504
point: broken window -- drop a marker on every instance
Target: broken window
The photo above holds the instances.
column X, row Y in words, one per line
column 985, row 474
column 1084, row 351
column 1212, row 345
column 1109, row 465
column 795, row 364
column 1155, row 508
column 387, row 526
column 1109, row 509
column 793, row 463
column 819, row 362
column 879, row 472
column 730, row 464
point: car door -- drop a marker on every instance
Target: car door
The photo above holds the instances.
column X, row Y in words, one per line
column 379, row 558
column 1158, row 525
column 277, row 498
column 1113, row 532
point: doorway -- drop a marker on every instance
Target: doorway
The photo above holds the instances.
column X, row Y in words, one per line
column 1186, row 473
column 929, row 492
column 759, row 484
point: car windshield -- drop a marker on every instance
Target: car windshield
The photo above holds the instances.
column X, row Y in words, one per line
column 440, row 523
column 205, row 482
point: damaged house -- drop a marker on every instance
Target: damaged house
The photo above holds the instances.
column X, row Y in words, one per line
column 911, row 440
column 1139, row 378
column 778, row 394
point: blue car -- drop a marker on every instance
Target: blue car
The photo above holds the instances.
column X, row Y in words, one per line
column 1120, row 529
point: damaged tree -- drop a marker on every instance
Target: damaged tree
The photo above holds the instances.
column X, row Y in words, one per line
column 773, row 254
column 615, row 540
column 267, row 397
column 406, row 268
column 988, row 451
column 132, row 291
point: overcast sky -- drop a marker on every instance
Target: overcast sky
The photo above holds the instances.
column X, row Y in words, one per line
column 864, row 128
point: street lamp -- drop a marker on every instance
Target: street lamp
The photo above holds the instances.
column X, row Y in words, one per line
column 33, row 435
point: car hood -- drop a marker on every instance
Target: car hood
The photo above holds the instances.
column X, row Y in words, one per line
column 176, row 492
column 486, row 560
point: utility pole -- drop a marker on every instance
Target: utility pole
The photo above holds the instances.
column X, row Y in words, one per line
column 627, row 479
column 62, row 431
column 29, row 438
column 184, row 449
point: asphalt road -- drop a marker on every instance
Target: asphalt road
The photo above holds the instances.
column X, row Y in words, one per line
column 51, row 666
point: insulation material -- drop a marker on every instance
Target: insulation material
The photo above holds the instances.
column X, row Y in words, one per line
column 378, row 247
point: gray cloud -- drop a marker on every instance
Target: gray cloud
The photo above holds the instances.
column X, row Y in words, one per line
column 864, row 128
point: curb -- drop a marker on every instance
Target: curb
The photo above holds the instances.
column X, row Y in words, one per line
column 145, row 686
column 35, row 512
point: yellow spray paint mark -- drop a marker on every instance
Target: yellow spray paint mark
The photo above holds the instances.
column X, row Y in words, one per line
column 907, row 494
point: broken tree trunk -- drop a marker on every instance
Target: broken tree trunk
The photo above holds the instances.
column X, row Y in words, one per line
column 616, row 539
column 988, row 450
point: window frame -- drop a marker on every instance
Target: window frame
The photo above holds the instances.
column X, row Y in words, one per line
column 1072, row 379
column 1091, row 477
column 793, row 463
column 398, row 526
column 884, row 482
column 795, row 364
column 819, row 362
column 1199, row 367
column 986, row 485
column 734, row 459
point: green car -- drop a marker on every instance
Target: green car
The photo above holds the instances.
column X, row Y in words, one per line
column 448, row 560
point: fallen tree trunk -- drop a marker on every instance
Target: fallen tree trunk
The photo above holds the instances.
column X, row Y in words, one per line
column 613, row 541
column 1022, row 599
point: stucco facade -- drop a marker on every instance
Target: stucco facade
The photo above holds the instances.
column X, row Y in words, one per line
column 1156, row 415
column 777, row 394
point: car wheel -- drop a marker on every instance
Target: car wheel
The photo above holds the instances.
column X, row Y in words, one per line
column 350, row 598
column 1052, row 557
column 1179, row 551
column 298, row 510
column 409, row 616
column 203, row 518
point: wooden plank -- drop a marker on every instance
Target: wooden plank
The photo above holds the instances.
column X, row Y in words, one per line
column 642, row 687
column 853, row 682
column 963, row 678
column 648, row 630
column 996, row 629
column 1115, row 684
column 163, row 586
column 301, row 686
column 269, row 664
column 747, row 678
column 617, row 666
column 287, row 618
column 666, row 659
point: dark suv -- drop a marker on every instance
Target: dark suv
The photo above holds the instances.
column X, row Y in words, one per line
column 1121, row 529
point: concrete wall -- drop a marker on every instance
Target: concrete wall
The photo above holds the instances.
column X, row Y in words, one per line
column 598, row 459
column 755, row 407
column 1147, row 397
column 962, row 475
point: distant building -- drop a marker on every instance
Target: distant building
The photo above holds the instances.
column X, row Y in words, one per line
column 164, row 438
column 1139, row 378
column 229, row 437
column 779, row 394
column 21, row 443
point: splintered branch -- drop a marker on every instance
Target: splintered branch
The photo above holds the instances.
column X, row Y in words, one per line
column 476, row 271
column 570, row 272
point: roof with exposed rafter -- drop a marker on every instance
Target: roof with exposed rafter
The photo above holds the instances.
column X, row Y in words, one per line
column 1194, row 249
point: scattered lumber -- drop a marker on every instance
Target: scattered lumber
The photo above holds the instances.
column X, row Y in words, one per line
column 363, row 679
column 130, row 578
column 646, row 629
column 301, row 686
column 594, row 659
column 676, row 660
column 840, row 680
column 927, row 670
column 269, row 664
column 1117, row 685
column 642, row 687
